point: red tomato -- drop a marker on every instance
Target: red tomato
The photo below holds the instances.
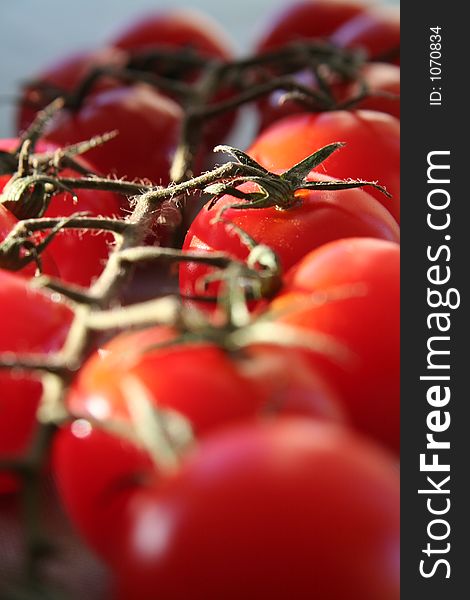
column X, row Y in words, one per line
column 92, row 248
column 372, row 150
column 365, row 318
column 223, row 388
column 214, row 399
column 95, row 474
column 290, row 509
column 307, row 20
column 33, row 322
column 213, row 391
column 64, row 76
column 147, row 122
column 377, row 31
column 322, row 217
column 175, row 29
column 381, row 78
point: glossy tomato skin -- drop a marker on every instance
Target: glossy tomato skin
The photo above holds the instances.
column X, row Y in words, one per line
column 34, row 322
column 64, row 76
column 322, row 217
column 214, row 391
column 175, row 29
column 217, row 392
column 382, row 79
column 372, row 150
column 147, row 125
column 93, row 248
column 376, row 31
column 224, row 388
column 275, row 511
column 209, row 393
column 360, row 283
column 308, row 20
column 95, row 473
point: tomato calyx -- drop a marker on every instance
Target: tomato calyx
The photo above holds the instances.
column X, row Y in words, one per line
column 281, row 191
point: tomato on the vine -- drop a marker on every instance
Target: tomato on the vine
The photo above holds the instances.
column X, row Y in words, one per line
column 308, row 20
column 350, row 290
column 372, row 150
column 376, row 31
column 63, row 77
column 175, row 29
column 38, row 323
column 180, row 30
column 383, row 93
column 276, row 511
column 224, row 387
column 93, row 248
column 147, row 124
column 214, row 390
column 321, row 217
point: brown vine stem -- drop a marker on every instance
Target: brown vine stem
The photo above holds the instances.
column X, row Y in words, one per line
column 98, row 308
column 80, row 338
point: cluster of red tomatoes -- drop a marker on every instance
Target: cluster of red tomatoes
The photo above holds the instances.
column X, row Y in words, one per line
column 268, row 462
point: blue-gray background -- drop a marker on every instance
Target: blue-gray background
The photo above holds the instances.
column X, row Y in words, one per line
column 35, row 32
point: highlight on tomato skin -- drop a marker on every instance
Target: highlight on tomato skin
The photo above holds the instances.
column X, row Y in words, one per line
column 258, row 510
column 215, row 390
column 225, row 386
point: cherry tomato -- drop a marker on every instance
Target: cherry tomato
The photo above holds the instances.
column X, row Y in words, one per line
column 34, row 322
column 64, row 76
column 223, row 389
column 92, row 247
column 359, row 283
column 307, row 20
column 147, row 125
column 288, row 509
column 382, row 79
column 377, row 31
column 323, row 216
column 175, row 29
column 372, row 150
column 95, row 473
column 218, row 392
